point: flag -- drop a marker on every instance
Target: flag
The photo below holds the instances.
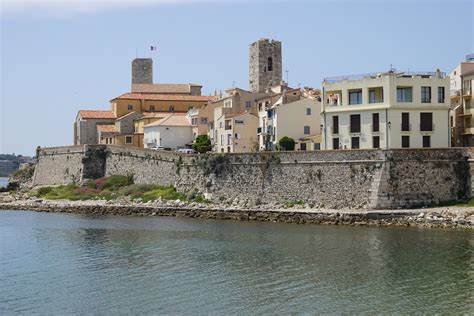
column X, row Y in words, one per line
column 152, row 48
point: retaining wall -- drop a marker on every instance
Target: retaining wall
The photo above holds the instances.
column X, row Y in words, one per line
column 360, row 179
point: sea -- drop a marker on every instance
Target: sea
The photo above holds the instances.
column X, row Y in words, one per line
column 62, row 264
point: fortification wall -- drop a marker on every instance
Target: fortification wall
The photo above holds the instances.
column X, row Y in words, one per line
column 356, row 179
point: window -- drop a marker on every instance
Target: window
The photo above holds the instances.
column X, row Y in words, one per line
column 303, row 146
column 405, row 122
column 405, row 141
column 355, row 123
column 425, row 94
column 270, row 64
column 376, row 142
column 335, row 143
column 404, row 94
column 306, row 130
column 229, row 139
column 237, row 136
column 375, row 97
column 171, row 108
column 194, row 121
column 355, row 97
column 335, row 124
column 308, row 111
column 239, row 121
column 248, row 104
column 440, row 94
column 426, row 141
column 130, row 107
column 355, row 142
column 375, row 122
column 426, row 122
column 222, row 139
column 152, row 108
column 228, row 104
column 128, row 139
column 270, row 114
column 203, row 120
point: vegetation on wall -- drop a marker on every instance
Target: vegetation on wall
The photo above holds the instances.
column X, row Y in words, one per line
column 115, row 187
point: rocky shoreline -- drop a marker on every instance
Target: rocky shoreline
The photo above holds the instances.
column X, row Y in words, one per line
column 441, row 217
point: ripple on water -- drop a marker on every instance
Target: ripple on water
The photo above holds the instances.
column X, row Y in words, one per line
column 58, row 263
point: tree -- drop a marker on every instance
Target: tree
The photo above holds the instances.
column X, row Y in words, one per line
column 286, row 143
column 202, row 144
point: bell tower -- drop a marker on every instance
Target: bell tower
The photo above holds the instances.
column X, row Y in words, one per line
column 265, row 65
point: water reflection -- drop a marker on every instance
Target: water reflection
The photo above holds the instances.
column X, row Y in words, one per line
column 81, row 264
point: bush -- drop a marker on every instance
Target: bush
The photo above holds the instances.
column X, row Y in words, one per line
column 286, row 143
column 113, row 182
column 202, row 144
column 43, row 191
column 166, row 193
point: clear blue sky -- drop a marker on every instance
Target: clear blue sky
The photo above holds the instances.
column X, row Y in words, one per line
column 57, row 60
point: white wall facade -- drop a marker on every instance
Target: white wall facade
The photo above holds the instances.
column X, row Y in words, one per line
column 173, row 137
column 389, row 109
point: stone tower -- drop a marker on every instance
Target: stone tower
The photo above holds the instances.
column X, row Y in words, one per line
column 142, row 70
column 265, row 64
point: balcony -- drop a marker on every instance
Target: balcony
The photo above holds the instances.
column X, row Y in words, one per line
column 468, row 131
column 374, row 75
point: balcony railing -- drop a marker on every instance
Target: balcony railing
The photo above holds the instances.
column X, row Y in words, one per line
column 374, row 75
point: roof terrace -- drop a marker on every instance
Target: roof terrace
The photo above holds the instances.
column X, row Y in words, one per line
column 374, row 75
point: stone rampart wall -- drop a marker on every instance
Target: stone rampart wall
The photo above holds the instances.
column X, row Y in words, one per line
column 359, row 179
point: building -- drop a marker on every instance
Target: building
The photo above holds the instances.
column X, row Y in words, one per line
column 130, row 112
column 235, row 133
column 462, row 122
column 86, row 123
column 172, row 132
column 236, row 101
column 293, row 114
column 386, row 110
column 265, row 65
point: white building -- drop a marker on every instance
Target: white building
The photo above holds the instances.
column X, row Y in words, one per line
column 171, row 132
column 291, row 115
column 386, row 110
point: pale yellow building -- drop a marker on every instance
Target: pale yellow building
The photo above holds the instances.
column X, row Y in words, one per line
column 386, row 110
column 235, row 133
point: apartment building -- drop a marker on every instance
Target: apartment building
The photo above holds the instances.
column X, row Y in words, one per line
column 235, row 133
column 293, row 114
column 386, row 110
column 462, row 122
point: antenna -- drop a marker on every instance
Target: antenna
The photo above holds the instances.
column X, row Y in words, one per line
column 233, row 83
column 287, row 81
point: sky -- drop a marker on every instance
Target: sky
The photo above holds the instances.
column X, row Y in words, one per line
column 58, row 57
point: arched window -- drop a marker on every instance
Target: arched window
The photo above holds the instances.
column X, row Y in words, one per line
column 270, row 64
column 152, row 108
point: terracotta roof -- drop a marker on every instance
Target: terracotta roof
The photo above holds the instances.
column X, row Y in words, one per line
column 163, row 88
column 106, row 128
column 165, row 97
column 93, row 114
column 172, row 120
column 160, row 114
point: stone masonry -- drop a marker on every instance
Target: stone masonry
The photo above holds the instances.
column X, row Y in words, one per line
column 265, row 65
column 142, row 71
column 353, row 179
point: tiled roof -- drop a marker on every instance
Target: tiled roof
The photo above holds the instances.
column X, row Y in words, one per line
column 165, row 97
column 93, row 114
column 163, row 88
column 172, row 120
column 106, row 128
column 160, row 114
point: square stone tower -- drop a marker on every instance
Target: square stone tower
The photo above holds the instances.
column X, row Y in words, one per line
column 265, row 64
column 142, row 71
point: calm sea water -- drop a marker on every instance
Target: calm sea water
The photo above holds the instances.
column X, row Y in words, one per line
column 63, row 264
column 3, row 182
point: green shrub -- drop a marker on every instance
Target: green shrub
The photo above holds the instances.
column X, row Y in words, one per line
column 166, row 193
column 43, row 191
